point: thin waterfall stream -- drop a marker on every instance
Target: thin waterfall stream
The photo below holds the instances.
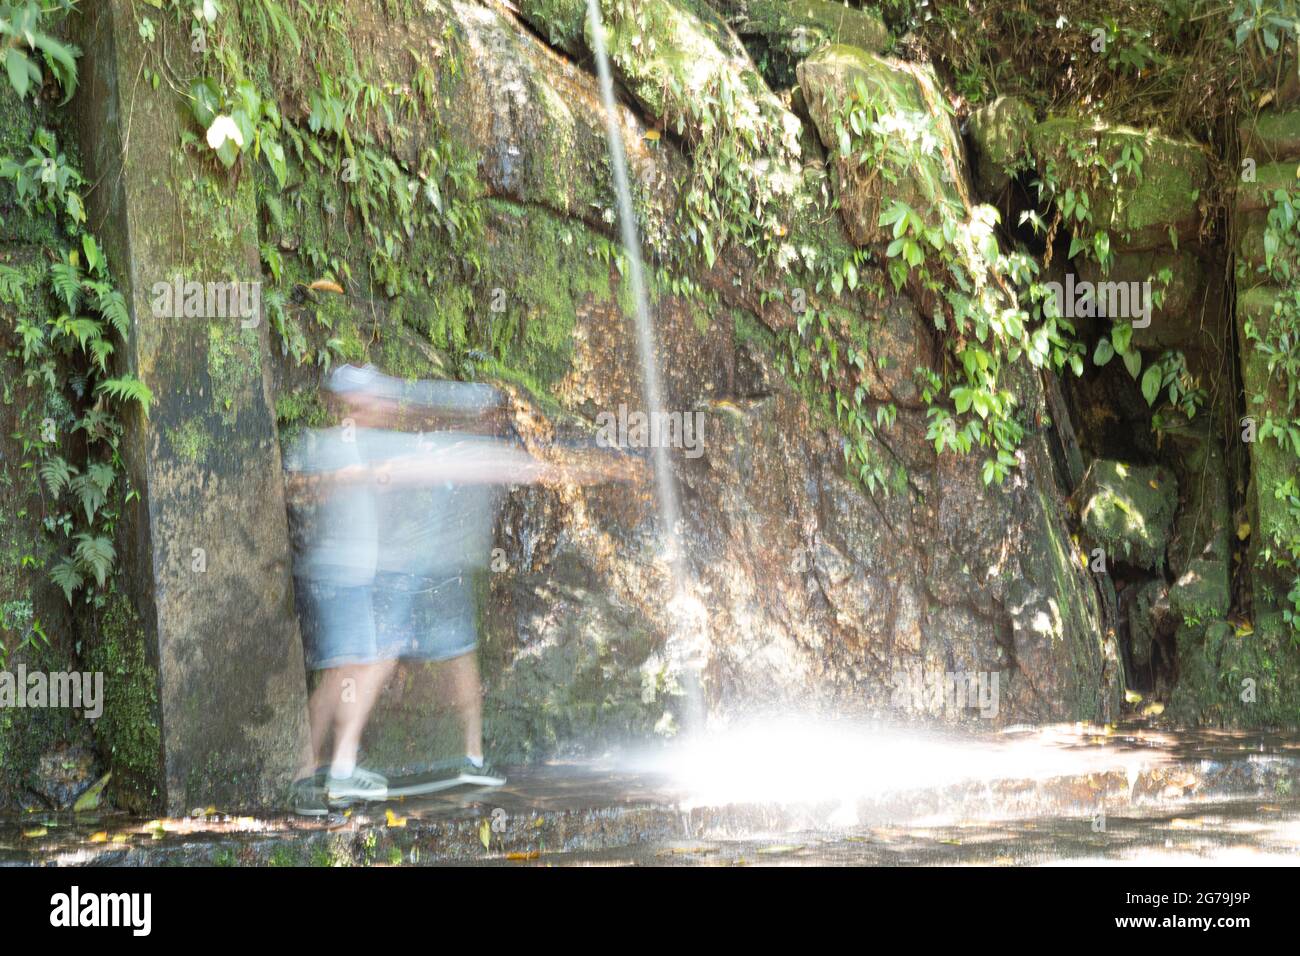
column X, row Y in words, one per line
column 686, row 642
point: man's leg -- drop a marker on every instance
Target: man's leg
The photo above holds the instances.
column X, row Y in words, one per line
column 320, row 718
column 354, row 690
column 466, row 693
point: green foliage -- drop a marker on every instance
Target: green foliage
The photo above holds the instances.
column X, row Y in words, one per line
column 987, row 305
column 67, row 352
column 1269, row 23
column 27, row 44
column 19, row 617
column 1278, row 340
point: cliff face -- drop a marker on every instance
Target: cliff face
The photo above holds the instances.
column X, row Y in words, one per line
column 912, row 471
column 818, row 594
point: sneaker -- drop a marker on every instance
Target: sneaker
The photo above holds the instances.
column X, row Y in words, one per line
column 430, row 780
column 362, row 785
column 480, row 775
column 308, row 796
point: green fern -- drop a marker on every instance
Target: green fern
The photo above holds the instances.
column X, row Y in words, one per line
column 100, row 350
column 102, row 474
column 96, row 555
column 67, row 576
column 65, row 280
column 81, row 328
column 90, row 495
column 111, row 304
column 13, row 286
column 57, row 474
column 126, row 389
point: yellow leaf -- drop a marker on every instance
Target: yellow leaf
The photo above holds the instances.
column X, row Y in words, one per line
column 1244, row 629
column 393, row 819
column 520, row 855
column 326, row 285
column 100, row 837
column 35, row 832
column 485, row 835
column 119, row 838
column 1243, row 531
column 1154, row 709
column 1132, row 697
column 652, row 135
column 1154, row 484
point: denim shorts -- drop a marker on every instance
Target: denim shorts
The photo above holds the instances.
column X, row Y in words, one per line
column 421, row 618
column 338, row 624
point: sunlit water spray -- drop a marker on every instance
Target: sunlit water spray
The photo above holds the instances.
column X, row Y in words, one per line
column 799, row 760
column 688, row 616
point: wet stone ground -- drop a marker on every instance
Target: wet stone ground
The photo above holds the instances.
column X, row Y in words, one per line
column 1048, row 795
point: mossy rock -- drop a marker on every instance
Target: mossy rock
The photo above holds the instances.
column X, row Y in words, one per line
column 1128, row 511
column 1270, row 462
column 1271, row 137
column 893, row 89
column 1252, row 260
column 1141, row 212
column 1269, row 178
column 1186, row 317
column 1201, row 592
column 561, row 22
column 784, row 32
column 128, row 733
column 1237, row 677
column 999, row 132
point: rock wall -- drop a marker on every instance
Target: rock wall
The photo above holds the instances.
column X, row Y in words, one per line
column 430, row 190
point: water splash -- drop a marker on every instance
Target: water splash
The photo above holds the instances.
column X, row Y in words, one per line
column 686, row 643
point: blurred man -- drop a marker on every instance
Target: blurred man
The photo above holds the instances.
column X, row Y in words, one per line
column 394, row 523
column 332, row 490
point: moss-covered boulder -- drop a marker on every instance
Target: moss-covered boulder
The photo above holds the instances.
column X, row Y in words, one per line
column 1202, row 591
column 1156, row 198
column 1271, row 137
column 920, row 161
column 783, row 32
column 1200, row 550
column 1272, row 461
column 1128, row 510
column 1236, row 675
column 1189, row 314
column 999, row 133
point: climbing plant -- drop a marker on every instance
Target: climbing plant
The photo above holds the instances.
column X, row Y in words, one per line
column 67, row 352
column 1277, row 339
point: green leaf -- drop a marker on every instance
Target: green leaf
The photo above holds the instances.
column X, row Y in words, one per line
column 1104, row 352
column 1133, row 362
column 19, row 69
column 205, row 100
column 1151, row 384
